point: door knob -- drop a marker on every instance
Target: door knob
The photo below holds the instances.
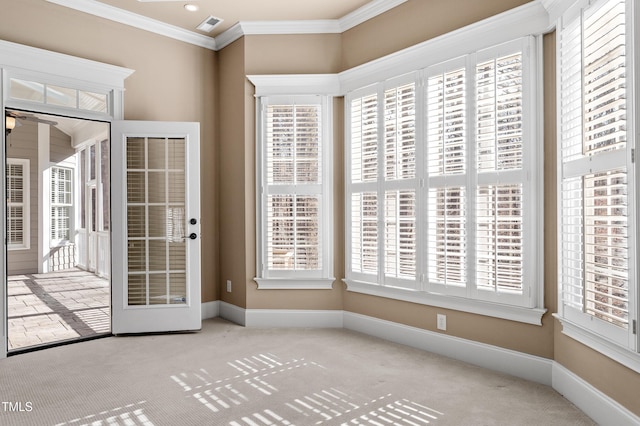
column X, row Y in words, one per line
column 193, row 236
column 193, row 221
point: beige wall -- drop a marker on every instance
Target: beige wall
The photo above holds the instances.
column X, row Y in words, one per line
column 413, row 22
column 173, row 81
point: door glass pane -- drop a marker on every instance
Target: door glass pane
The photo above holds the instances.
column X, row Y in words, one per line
column 156, row 221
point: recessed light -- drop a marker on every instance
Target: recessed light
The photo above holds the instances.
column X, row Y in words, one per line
column 191, row 7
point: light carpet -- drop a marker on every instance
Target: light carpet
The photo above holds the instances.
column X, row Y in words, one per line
column 231, row 375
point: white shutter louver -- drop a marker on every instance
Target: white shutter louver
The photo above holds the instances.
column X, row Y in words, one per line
column 606, row 246
column 364, row 139
column 400, row 141
column 604, row 79
column 61, row 201
column 594, row 215
column 499, row 113
column 17, row 203
column 499, row 246
column 447, row 236
column 400, row 234
column 293, row 184
column 364, row 232
column 446, row 112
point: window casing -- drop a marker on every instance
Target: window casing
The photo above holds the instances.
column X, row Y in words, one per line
column 18, row 197
column 294, row 177
column 61, row 204
column 441, row 168
column 597, row 282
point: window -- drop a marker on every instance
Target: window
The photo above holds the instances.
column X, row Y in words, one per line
column 58, row 96
column 61, row 204
column 597, row 217
column 383, row 185
column 295, row 205
column 441, row 190
column 18, row 204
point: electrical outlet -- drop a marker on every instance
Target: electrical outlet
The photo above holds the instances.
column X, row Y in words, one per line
column 228, row 286
column 442, row 322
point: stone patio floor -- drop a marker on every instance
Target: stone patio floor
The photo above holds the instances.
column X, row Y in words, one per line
column 57, row 306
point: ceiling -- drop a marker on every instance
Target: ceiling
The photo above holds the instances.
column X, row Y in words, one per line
column 231, row 12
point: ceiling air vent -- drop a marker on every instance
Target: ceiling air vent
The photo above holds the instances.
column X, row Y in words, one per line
column 209, row 24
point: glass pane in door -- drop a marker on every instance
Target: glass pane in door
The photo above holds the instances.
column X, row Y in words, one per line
column 156, row 236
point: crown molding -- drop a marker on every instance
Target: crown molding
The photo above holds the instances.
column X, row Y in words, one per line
column 244, row 28
column 326, row 26
column 555, row 8
column 530, row 18
column 366, row 12
column 121, row 16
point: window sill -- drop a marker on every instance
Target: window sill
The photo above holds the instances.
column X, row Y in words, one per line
column 624, row 356
column 496, row 310
column 294, row 283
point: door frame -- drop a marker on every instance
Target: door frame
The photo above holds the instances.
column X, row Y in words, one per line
column 27, row 63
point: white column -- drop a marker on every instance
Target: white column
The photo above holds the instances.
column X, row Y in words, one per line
column 44, row 197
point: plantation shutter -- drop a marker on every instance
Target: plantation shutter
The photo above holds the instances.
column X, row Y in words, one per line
column 400, row 171
column 447, row 126
column 61, row 202
column 500, row 197
column 17, row 203
column 382, row 185
column 364, row 176
column 594, row 215
column 293, row 185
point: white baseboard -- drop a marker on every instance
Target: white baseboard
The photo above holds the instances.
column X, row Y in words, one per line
column 602, row 409
column 517, row 364
column 294, row 318
column 233, row 313
column 210, row 310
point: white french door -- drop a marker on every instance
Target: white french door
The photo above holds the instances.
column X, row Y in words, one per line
column 156, row 226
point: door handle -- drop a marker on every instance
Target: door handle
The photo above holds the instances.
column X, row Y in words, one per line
column 192, row 236
column 193, row 221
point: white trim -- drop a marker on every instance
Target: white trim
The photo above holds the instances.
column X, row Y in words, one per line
column 62, row 67
column 318, row 26
column 135, row 20
column 597, row 342
column 312, row 26
column 515, row 363
column 326, row 26
column 601, row 408
column 210, row 310
column 236, row 32
column 233, row 313
column 366, row 12
column 295, row 84
column 463, row 304
column 278, row 318
column 295, row 283
column 528, row 19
